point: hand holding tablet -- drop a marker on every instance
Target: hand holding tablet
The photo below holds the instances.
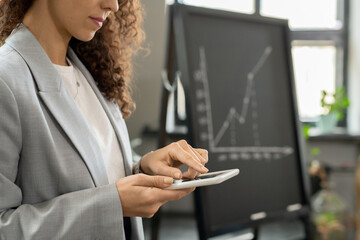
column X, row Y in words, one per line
column 205, row 179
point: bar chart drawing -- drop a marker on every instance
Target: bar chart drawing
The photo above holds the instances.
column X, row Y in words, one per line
column 235, row 118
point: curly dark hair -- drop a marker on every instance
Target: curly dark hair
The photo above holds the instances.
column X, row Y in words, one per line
column 108, row 56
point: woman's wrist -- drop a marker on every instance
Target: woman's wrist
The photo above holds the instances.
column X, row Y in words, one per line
column 142, row 166
column 137, row 168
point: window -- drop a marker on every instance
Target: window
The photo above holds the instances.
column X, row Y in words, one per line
column 244, row 6
column 319, row 35
column 304, row 14
column 314, row 70
column 319, row 42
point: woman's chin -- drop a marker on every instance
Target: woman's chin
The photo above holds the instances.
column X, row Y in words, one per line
column 85, row 37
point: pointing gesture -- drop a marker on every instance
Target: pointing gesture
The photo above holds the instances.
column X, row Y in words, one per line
column 166, row 161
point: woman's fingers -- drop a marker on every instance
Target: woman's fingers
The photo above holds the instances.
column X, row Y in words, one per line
column 153, row 181
column 166, row 170
column 156, row 185
column 142, row 195
column 176, row 152
column 190, row 173
column 203, row 153
column 197, row 156
column 165, row 161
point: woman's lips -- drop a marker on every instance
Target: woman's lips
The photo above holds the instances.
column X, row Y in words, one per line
column 97, row 21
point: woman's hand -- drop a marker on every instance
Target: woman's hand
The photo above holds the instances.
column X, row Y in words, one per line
column 165, row 161
column 142, row 195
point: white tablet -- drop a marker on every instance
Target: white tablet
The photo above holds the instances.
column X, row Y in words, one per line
column 205, row 179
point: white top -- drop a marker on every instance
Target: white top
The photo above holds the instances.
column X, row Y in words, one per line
column 96, row 118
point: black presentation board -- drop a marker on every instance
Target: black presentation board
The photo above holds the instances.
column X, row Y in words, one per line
column 241, row 106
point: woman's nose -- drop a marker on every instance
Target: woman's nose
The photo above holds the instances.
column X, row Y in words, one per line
column 111, row 5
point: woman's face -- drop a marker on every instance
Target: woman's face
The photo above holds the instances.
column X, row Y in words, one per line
column 80, row 18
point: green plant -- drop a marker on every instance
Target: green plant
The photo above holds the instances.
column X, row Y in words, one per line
column 314, row 151
column 335, row 102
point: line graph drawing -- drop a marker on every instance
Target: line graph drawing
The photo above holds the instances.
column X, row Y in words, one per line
column 250, row 94
column 234, row 117
column 250, row 81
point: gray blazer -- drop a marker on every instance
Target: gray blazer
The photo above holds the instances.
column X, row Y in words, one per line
column 53, row 182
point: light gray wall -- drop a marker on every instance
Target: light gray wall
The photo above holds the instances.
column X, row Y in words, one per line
column 147, row 82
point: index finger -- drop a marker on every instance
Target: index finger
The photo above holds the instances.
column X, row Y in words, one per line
column 192, row 151
column 176, row 152
column 203, row 153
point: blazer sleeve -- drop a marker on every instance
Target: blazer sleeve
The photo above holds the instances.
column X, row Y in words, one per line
column 94, row 213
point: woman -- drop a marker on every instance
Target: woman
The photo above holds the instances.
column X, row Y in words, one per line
column 65, row 159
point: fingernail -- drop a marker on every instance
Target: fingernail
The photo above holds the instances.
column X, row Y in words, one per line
column 205, row 169
column 168, row 180
column 177, row 175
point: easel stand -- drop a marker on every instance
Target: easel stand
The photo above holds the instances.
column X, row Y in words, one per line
column 169, row 78
column 169, row 86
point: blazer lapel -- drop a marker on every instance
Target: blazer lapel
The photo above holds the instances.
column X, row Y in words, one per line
column 59, row 102
column 113, row 113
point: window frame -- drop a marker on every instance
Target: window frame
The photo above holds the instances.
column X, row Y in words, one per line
column 339, row 37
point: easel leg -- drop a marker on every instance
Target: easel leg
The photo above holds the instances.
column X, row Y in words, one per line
column 256, row 233
column 155, row 225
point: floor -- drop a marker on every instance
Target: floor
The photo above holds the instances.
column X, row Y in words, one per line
column 177, row 226
column 183, row 227
column 174, row 227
